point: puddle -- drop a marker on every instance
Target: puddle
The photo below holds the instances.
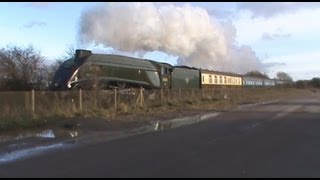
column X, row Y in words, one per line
column 20, row 154
column 44, row 134
column 73, row 133
column 13, row 155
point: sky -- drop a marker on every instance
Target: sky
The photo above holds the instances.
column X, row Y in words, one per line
column 281, row 36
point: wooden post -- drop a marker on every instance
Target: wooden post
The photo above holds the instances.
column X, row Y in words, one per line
column 202, row 92
column 141, row 97
column 161, row 95
column 95, row 97
column 115, row 100
column 27, row 101
column 80, row 99
column 32, row 101
column 137, row 101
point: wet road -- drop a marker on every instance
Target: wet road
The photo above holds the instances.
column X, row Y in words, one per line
column 281, row 139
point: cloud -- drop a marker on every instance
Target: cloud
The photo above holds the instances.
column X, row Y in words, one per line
column 39, row 4
column 299, row 65
column 267, row 36
column 34, row 23
column 216, row 9
column 269, row 9
column 187, row 31
column 273, row 64
column 301, row 26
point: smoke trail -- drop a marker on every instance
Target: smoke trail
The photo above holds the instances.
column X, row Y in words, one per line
column 188, row 32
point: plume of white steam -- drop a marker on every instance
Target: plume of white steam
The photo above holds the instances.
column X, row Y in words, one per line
column 188, row 32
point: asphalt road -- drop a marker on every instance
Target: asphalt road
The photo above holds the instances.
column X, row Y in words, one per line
column 280, row 139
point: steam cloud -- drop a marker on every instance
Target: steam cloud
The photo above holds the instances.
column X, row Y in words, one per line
column 188, row 32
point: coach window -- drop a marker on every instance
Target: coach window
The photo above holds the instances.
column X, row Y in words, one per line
column 202, row 78
column 215, row 79
column 210, row 79
column 225, row 80
column 220, row 80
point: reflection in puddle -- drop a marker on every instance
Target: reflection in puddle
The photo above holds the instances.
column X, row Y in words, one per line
column 46, row 134
column 73, row 133
column 23, row 138
column 19, row 154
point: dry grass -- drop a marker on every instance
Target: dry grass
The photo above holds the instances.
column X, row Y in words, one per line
column 53, row 107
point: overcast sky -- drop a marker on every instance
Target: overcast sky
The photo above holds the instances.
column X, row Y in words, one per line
column 283, row 36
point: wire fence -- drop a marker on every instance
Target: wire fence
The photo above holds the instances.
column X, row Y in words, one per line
column 71, row 103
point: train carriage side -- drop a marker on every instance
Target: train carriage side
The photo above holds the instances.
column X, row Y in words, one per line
column 210, row 79
column 269, row 82
column 252, row 81
column 184, row 77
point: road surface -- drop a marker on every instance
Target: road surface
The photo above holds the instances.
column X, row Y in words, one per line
column 281, row 139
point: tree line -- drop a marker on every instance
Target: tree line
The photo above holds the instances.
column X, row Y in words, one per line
column 24, row 68
column 314, row 82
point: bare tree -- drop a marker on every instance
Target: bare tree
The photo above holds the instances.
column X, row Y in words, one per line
column 20, row 67
column 315, row 82
column 283, row 76
column 256, row 74
column 52, row 68
column 69, row 53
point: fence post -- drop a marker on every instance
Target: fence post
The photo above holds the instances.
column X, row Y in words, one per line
column 95, row 97
column 161, row 95
column 141, row 97
column 202, row 93
column 32, row 101
column 115, row 100
column 80, row 99
column 192, row 93
column 26, row 101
